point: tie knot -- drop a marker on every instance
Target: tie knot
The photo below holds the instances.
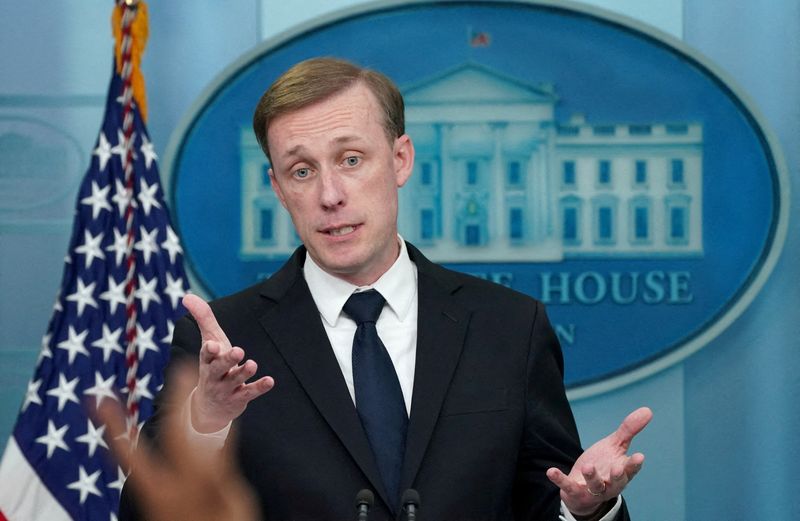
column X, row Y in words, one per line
column 365, row 306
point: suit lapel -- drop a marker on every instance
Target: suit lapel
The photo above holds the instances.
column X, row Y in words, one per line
column 293, row 324
column 441, row 329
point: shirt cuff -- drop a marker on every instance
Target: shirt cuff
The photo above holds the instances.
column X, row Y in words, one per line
column 201, row 440
column 566, row 515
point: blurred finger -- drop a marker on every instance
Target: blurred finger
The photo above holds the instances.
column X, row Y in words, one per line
column 175, row 430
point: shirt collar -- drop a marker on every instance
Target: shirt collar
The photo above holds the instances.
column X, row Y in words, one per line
column 398, row 286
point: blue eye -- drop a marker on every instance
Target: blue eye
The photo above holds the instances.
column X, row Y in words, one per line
column 352, row 160
column 302, row 173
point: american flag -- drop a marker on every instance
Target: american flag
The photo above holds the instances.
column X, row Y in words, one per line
column 56, row 464
column 479, row 38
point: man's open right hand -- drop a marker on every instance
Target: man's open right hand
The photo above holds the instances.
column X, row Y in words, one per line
column 222, row 392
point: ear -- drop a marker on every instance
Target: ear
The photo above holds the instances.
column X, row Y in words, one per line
column 276, row 187
column 403, row 155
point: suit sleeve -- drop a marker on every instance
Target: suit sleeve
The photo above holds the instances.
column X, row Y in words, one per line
column 551, row 437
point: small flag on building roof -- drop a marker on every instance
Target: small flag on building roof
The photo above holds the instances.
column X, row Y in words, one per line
column 109, row 335
column 479, row 38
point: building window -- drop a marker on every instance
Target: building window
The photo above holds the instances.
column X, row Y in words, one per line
column 676, row 177
column 677, row 220
column 605, row 220
column 605, row 223
column 571, row 220
column 641, row 223
column 568, row 173
column 426, row 174
column 514, row 174
column 640, row 176
column 472, row 173
column 570, row 224
column 677, row 224
column 472, row 235
column 265, row 225
column 426, row 224
column 515, row 221
column 604, row 172
column 603, row 130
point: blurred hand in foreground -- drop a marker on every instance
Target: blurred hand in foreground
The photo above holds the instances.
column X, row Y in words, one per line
column 180, row 482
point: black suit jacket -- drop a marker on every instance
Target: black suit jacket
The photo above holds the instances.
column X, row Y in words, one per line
column 489, row 414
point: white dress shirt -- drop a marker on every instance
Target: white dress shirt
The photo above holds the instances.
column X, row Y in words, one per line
column 396, row 325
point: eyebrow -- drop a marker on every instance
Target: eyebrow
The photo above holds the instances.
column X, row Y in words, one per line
column 297, row 150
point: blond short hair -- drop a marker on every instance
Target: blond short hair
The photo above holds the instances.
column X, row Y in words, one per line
column 316, row 79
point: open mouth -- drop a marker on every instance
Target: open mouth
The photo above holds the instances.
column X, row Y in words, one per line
column 337, row 232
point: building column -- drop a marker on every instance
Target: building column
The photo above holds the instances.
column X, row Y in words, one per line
column 498, row 233
column 448, row 182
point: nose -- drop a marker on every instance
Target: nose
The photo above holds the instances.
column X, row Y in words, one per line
column 332, row 190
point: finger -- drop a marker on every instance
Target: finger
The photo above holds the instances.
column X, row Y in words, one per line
column 206, row 321
column 148, row 468
column 633, row 425
column 595, row 484
column 239, row 374
column 110, row 414
column 634, row 465
column 174, row 433
column 253, row 390
column 565, row 483
column 217, row 362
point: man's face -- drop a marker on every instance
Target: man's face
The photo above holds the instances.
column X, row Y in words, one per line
column 337, row 174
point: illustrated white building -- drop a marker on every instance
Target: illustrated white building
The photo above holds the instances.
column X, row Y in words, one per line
column 497, row 178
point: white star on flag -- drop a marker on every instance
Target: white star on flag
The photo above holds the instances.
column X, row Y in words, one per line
column 93, row 437
column 65, row 391
column 45, row 351
column 147, row 244
column 54, row 439
column 172, row 244
column 144, row 340
column 147, row 196
column 149, row 152
column 141, row 389
column 102, row 389
column 120, row 246
column 83, row 296
column 146, row 292
column 170, row 328
column 73, row 344
column 32, row 394
column 98, row 200
column 91, row 247
column 174, row 290
column 103, row 151
column 85, row 484
column 120, row 148
column 117, row 485
column 115, row 294
column 121, row 197
column 109, row 343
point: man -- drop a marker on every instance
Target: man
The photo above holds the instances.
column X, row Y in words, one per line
column 484, row 430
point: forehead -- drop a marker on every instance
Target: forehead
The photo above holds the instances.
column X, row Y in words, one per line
column 350, row 114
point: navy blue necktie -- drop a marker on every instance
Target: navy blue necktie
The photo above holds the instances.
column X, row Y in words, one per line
column 379, row 399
